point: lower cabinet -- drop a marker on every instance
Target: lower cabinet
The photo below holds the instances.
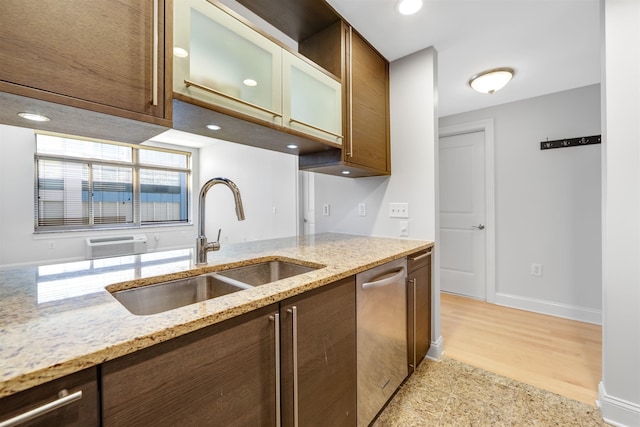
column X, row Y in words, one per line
column 222, row 375
column 291, row 363
column 418, row 307
column 318, row 342
column 69, row 401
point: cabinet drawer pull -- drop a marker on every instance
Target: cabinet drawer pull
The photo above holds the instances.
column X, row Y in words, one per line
column 64, row 398
column 156, row 36
column 232, row 98
column 294, row 333
column 315, row 127
column 419, row 257
column 415, row 285
column 276, row 325
column 398, row 274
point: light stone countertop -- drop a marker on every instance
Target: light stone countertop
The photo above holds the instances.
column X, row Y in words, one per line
column 59, row 319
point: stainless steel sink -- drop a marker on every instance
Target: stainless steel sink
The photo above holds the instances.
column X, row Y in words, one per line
column 152, row 299
column 265, row 272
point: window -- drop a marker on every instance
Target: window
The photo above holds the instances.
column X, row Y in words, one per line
column 86, row 184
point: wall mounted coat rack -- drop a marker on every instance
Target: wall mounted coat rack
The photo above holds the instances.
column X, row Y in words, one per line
column 570, row 142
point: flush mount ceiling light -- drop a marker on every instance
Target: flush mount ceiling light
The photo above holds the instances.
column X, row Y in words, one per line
column 213, row 127
column 491, row 80
column 250, row 82
column 34, row 117
column 180, row 52
column 409, row 7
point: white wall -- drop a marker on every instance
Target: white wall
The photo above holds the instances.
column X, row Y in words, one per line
column 266, row 179
column 619, row 392
column 413, row 102
column 547, row 203
column 268, row 184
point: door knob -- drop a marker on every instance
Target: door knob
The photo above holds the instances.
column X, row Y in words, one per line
column 478, row 227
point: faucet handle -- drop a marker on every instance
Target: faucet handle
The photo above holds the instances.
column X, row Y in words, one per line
column 219, row 232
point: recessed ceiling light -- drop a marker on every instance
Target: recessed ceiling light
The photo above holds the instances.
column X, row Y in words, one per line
column 180, row 52
column 409, row 7
column 214, row 127
column 292, row 146
column 491, row 81
column 250, row 82
column 346, row 172
column 34, row 117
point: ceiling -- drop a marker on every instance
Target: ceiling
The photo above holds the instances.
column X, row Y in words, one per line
column 553, row 45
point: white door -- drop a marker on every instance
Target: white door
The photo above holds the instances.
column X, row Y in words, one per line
column 462, row 215
column 307, row 197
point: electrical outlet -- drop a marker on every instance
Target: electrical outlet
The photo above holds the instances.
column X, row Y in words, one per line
column 404, row 228
column 326, row 209
column 362, row 209
column 399, row 210
column 536, row 269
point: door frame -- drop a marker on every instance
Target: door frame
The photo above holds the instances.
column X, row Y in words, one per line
column 485, row 126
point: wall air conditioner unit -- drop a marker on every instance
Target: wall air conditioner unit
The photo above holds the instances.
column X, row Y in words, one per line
column 102, row 247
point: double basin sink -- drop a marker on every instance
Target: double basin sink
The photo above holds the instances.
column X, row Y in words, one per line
column 160, row 297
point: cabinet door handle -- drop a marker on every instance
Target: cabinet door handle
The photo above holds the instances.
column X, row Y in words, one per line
column 294, row 345
column 233, row 98
column 398, row 274
column 350, row 76
column 64, row 398
column 414, row 282
column 276, row 325
column 422, row 256
column 156, row 36
column 315, row 127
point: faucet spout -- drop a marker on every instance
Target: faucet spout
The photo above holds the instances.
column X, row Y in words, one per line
column 202, row 246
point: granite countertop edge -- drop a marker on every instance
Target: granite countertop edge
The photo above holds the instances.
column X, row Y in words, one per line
column 26, row 373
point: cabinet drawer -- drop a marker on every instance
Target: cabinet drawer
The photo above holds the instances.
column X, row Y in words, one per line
column 419, row 259
column 75, row 397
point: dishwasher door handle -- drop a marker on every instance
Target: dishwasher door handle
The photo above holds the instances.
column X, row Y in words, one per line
column 397, row 275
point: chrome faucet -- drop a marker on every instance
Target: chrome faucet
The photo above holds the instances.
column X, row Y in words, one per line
column 202, row 247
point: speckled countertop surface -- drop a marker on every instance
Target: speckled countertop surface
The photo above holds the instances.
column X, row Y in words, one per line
column 59, row 319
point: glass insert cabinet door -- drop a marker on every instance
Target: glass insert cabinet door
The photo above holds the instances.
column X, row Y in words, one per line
column 220, row 60
column 312, row 100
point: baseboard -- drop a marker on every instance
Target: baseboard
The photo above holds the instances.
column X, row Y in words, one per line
column 566, row 311
column 617, row 412
column 436, row 350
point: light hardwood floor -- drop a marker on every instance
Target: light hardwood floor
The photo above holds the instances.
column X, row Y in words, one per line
column 559, row 355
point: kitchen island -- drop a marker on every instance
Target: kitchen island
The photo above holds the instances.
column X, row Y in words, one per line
column 59, row 319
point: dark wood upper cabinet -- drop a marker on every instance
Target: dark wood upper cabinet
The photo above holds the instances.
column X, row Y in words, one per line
column 102, row 56
column 365, row 81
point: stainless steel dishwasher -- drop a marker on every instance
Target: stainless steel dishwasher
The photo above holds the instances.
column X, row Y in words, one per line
column 381, row 313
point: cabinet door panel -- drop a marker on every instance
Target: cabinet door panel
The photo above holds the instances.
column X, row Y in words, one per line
column 419, row 308
column 369, row 106
column 98, row 51
column 312, row 100
column 326, row 323
column 231, row 65
column 83, row 412
column 223, row 375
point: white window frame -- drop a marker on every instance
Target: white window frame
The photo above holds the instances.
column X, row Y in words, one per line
column 135, row 165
